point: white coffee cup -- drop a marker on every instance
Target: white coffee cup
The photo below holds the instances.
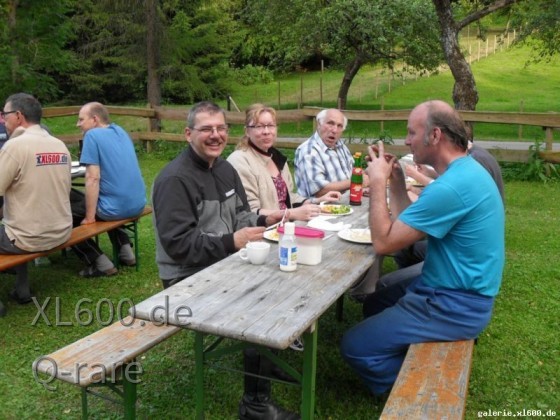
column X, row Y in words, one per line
column 255, row 252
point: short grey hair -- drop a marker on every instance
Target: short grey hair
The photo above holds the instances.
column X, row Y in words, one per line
column 204, row 106
column 322, row 115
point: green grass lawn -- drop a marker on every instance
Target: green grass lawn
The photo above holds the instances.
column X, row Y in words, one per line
column 515, row 362
column 517, row 357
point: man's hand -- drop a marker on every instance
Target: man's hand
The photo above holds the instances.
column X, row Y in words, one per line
column 305, row 212
column 381, row 165
column 88, row 221
column 247, row 234
column 329, row 197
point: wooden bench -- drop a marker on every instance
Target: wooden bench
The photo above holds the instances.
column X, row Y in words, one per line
column 104, row 358
column 80, row 234
column 432, row 383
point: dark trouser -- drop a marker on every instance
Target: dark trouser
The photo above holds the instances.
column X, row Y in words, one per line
column 411, row 255
column 89, row 251
column 256, row 403
column 376, row 347
column 7, row 247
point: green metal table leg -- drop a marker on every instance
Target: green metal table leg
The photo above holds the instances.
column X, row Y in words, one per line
column 340, row 308
column 84, row 403
column 199, row 373
column 129, row 393
column 309, row 373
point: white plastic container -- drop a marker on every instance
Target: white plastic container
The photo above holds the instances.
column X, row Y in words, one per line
column 309, row 243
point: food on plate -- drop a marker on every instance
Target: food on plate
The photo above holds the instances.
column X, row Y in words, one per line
column 360, row 235
column 272, row 234
column 335, row 208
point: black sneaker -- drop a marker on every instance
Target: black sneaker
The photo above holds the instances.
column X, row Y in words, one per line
column 21, row 300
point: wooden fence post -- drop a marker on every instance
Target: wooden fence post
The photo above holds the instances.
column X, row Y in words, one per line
column 300, row 92
column 478, row 52
column 321, row 83
column 278, row 94
column 520, row 128
column 381, row 123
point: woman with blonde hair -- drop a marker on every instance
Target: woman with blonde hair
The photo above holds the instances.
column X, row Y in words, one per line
column 264, row 171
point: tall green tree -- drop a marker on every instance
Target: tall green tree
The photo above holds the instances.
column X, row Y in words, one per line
column 33, row 46
column 346, row 33
column 359, row 32
column 175, row 50
column 539, row 25
column 453, row 16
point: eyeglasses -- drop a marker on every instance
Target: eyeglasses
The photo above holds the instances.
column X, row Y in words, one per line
column 4, row 113
column 207, row 130
column 261, row 127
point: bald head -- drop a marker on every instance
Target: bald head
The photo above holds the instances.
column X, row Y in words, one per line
column 439, row 114
column 93, row 115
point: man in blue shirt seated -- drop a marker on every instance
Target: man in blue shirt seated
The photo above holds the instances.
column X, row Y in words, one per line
column 462, row 215
column 114, row 187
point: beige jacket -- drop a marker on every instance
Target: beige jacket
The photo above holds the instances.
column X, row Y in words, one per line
column 257, row 181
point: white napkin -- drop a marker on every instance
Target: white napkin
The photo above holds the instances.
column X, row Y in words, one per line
column 322, row 222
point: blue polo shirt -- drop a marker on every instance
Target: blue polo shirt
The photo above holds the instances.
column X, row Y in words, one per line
column 122, row 192
column 462, row 214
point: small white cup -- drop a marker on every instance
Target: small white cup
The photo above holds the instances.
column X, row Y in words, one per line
column 255, row 252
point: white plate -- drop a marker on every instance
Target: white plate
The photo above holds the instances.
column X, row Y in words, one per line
column 323, row 209
column 360, row 236
column 322, row 222
column 272, row 235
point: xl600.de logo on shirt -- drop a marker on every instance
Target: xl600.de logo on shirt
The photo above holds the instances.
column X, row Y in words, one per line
column 51, row 159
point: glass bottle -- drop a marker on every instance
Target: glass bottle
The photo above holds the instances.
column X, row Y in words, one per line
column 287, row 248
column 356, row 181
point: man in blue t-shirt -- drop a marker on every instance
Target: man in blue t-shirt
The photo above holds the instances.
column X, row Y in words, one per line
column 462, row 215
column 114, row 187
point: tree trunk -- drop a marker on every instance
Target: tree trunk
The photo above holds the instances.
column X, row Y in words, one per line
column 153, row 60
column 349, row 73
column 14, row 67
column 465, row 94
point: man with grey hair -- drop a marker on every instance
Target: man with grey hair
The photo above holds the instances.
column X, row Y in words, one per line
column 323, row 163
column 201, row 215
column 35, row 182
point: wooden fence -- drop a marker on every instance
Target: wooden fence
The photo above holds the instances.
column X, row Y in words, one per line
column 548, row 121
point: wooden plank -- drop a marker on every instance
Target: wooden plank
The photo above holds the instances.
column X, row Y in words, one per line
column 432, row 383
column 79, row 234
column 95, row 358
column 64, row 111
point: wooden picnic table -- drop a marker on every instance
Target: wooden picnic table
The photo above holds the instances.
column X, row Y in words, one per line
column 261, row 305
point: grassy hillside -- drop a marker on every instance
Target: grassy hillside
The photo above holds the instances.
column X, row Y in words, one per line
column 504, row 83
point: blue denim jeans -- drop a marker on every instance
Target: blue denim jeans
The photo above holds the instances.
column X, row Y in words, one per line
column 376, row 347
